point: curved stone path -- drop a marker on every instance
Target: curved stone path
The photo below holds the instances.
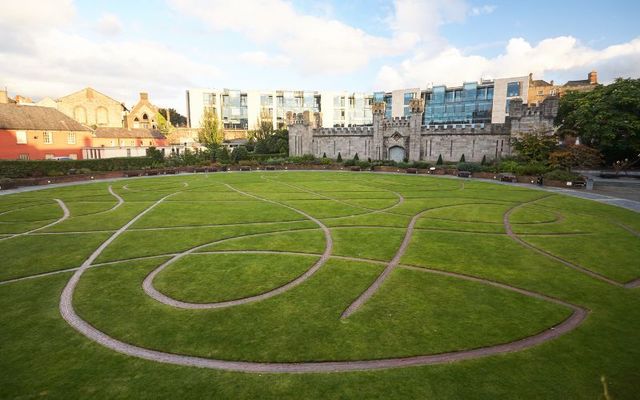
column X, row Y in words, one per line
column 366, row 295
column 150, row 290
column 68, row 313
column 508, row 228
column 65, row 215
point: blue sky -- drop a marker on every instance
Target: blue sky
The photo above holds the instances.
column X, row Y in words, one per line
column 165, row 47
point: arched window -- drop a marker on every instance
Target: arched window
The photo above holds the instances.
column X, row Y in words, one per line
column 145, row 117
column 80, row 114
column 102, row 116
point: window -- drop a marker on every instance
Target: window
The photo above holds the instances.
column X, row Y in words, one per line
column 513, row 89
column 209, row 99
column 73, row 156
column 23, row 157
column 48, row 156
column 71, row 138
column 540, row 92
column 21, row 137
column 507, row 106
column 47, row 137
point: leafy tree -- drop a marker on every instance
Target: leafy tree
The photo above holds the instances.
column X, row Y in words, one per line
column 535, row 146
column 575, row 156
column 163, row 126
column 155, row 154
column 175, row 117
column 462, row 159
column 222, row 155
column 339, row 159
column 606, row 118
column 210, row 134
column 356, row 158
column 439, row 162
column 239, row 153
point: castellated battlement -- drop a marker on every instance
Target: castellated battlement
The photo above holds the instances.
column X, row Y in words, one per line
column 351, row 130
column 466, row 129
column 396, row 122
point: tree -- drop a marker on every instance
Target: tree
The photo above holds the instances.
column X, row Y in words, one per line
column 439, row 162
column 575, row 156
column 535, row 146
column 156, row 155
column 462, row 158
column 324, row 155
column 175, row 117
column 605, row 118
column 339, row 159
column 222, row 155
column 239, row 153
column 356, row 158
column 484, row 160
column 210, row 134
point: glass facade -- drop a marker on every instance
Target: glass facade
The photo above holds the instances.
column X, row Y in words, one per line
column 382, row 97
column 513, row 89
column 470, row 104
column 234, row 110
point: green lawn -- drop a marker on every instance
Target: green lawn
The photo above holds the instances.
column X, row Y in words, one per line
column 414, row 312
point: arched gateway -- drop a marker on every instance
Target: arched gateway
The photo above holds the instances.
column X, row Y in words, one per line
column 397, row 153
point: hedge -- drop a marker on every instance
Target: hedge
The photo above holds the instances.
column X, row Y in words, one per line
column 33, row 168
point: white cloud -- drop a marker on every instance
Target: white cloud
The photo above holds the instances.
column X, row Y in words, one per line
column 560, row 55
column 110, row 25
column 261, row 58
column 54, row 61
column 317, row 44
column 482, row 10
column 36, row 14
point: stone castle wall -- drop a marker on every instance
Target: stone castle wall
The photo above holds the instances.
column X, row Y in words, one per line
column 405, row 137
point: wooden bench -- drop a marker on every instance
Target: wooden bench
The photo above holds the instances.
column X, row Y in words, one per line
column 412, row 170
column 464, row 174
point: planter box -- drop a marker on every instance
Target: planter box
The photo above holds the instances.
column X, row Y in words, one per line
column 485, row 175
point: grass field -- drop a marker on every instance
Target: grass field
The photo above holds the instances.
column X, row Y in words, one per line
column 461, row 289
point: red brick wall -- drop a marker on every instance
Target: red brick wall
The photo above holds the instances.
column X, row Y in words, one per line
column 35, row 147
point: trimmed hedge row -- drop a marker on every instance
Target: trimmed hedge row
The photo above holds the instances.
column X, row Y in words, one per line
column 26, row 169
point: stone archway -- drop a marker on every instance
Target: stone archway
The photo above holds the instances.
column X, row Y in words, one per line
column 397, row 153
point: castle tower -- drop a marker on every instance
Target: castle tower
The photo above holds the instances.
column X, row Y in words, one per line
column 415, row 125
column 378, row 110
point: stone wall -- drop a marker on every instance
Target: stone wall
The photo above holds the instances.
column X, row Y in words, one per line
column 406, row 138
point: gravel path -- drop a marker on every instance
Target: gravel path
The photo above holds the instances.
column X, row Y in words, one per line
column 366, row 295
column 514, row 236
column 65, row 215
column 149, row 289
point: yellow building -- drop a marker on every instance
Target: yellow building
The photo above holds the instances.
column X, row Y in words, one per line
column 92, row 108
column 540, row 89
column 143, row 114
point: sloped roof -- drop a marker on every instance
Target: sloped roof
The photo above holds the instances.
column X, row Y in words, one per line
column 584, row 82
column 540, row 82
column 88, row 88
column 29, row 117
column 126, row 133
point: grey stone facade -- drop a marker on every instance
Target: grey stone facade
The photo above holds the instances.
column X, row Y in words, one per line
column 406, row 137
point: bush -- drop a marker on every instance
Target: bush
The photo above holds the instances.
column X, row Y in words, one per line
column 420, row 164
column 364, row 164
column 7, row 183
column 439, row 162
column 508, row 166
column 326, row 161
column 350, row 163
column 576, row 156
column 469, row 166
column 339, row 159
column 462, row 159
column 532, row 168
column 484, row 160
column 324, row 155
column 239, row 153
column 222, row 155
column 84, row 171
column 36, row 168
column 561, row 175
column 356, row 158
column 155, row 154
column 251, row 163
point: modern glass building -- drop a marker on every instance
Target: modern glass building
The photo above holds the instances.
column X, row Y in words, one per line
column 481, row 102
column 472, row 103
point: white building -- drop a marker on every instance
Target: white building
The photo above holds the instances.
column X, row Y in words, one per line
column 473, row 102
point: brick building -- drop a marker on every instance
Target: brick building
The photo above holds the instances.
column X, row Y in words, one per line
column 30, row 132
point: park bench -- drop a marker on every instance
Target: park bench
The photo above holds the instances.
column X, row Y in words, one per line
column 270, row 168
column 355, row 168
column 412, row 170
column 464, row 174
column 245, row 168
column 507, row 177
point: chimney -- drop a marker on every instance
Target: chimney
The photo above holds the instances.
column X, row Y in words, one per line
column 4, row 99
column 593, row 77
column 144, row 96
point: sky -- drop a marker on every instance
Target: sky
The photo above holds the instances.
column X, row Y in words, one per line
column 164, row 47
